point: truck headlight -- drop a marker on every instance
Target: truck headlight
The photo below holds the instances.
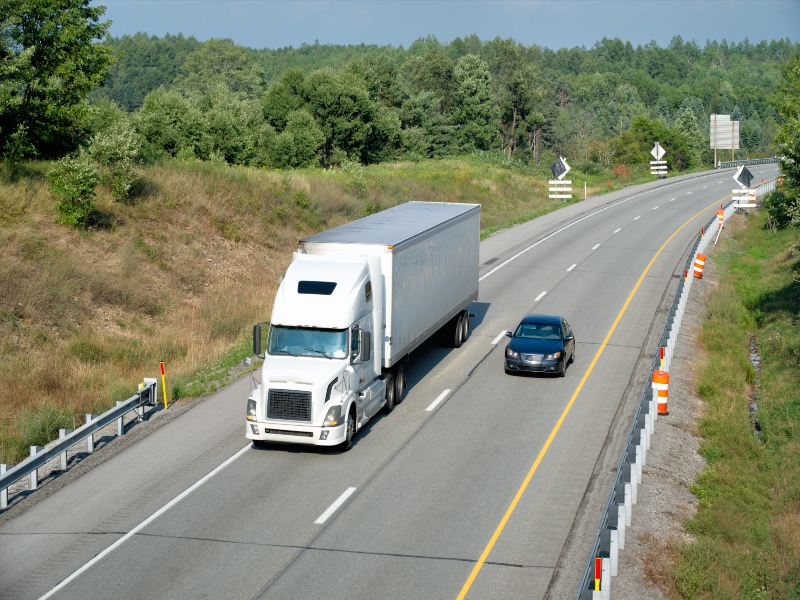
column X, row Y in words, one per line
column 334, row 416
column 553, row 356
column 511, row 354
column 251, row 409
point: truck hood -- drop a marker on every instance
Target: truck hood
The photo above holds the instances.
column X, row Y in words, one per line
column 301, row 372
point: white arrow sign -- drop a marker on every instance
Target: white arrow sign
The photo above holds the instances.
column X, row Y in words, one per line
column 658, row 152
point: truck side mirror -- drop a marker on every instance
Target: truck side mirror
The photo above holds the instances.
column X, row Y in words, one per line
column 365, row 344
column 257, row 340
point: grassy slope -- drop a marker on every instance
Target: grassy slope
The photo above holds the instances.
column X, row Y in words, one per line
column 182, row 273
column 747, row 528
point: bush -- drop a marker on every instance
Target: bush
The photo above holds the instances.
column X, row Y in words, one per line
column 116, row 152
column 783, row 209
column 622, row 170
column 74, row 179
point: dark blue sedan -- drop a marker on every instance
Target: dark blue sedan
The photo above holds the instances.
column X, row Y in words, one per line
column 540, row 344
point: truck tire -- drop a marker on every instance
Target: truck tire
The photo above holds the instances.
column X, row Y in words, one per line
column 350, row 432
column 457, row 326
column 390, row 392
column 464, row 326
column 399, row 384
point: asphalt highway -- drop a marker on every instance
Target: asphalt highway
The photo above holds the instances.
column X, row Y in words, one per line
column 470, row 488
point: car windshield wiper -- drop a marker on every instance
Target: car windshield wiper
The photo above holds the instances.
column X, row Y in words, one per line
column 319, row 352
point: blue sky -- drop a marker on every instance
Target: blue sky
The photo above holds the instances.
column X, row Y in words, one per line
column 550, row 23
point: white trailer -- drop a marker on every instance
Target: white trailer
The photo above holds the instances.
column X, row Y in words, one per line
column 354, row 303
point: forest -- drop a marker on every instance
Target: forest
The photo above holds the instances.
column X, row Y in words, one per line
column 319, row 105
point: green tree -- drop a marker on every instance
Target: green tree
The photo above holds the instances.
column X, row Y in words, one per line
column 220, row 62
column 284, row 95
column 475, row 111
column 787, row 101
column 171, row 124
column 49, row 63
column 686, row 124
column 300, row 142
column 116, row 152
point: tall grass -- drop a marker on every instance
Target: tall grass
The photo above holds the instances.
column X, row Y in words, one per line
column 747, row 528
column 181, row 272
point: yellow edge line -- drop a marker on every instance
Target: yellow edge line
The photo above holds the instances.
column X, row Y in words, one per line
column 551, row 437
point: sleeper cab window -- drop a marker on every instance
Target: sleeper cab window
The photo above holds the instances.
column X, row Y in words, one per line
column 368, row 291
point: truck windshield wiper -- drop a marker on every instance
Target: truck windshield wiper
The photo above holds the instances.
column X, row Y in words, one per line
column 319, row 352
column 283, row 352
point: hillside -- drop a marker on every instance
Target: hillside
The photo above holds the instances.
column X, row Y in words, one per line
column 181, row 272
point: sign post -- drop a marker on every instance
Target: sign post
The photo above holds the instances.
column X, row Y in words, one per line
column 658, row 167
column 559, row 188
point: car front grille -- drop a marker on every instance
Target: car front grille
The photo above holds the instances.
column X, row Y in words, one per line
column 289, row 405
column 532, row 358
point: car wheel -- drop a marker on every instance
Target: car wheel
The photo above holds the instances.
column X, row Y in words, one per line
column 563, row 370
column 350, row 433
column 572, row 357
column 390, row 391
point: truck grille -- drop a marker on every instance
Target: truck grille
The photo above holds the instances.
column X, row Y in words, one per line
column 289, row 405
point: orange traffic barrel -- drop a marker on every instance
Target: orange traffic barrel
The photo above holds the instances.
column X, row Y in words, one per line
column 661, row 387
column 720, row 217
column 699, row 264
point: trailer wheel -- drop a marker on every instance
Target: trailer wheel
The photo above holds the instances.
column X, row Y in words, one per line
column 458, row 325
column 390, row 392
column 399, row 384
column 464, row 326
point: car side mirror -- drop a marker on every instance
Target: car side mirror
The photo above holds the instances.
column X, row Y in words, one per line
column 569, row 337
column 509, row 334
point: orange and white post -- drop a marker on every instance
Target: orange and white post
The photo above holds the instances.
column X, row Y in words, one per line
column 164, row 385
column 720, row 222
column 661, row 391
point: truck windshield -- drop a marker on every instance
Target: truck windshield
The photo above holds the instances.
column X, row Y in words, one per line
column 304, row 341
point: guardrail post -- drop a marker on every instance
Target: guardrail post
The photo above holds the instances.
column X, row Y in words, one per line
column 4, row 491
column 35, row 473
column 120, row 422
column 90, row 439
column 62, row 433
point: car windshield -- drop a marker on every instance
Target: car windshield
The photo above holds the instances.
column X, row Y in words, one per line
column 538, row 331
column 304, row 341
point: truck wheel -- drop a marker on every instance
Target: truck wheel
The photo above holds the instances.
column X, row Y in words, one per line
column 458, row 325
column 464, row 326
column 399, row 384
column 350, row 432
column 390, row 392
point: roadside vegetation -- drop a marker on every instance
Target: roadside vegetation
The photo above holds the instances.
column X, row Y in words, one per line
column 746, row 532
column 180, row 272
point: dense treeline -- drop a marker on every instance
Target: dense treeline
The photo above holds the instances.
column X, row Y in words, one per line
column 322, row 104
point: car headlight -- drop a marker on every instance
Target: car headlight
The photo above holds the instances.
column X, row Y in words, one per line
column 511, row 354
column 553, row 356
column 251, row 409
column 334, row 416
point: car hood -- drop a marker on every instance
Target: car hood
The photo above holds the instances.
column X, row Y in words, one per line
column 529, row 346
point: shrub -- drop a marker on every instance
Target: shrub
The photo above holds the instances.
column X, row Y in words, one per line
column 116, row 152
column 622, row 170
column 74, row 179
column 783, row 209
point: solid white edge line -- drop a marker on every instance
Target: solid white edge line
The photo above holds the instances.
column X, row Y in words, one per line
column 618, row 230
column 335, row 506
column 441, row 397
column 575, row 222
column 637, row 218
column 572, row 267
column 540, row 296
column 500, row 336
column 145, row 523
column 595, row 247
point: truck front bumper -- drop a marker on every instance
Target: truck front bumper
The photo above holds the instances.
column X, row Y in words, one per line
column 291, row 433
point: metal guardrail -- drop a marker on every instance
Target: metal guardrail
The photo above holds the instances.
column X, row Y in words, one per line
column 41, row 456
column 752, row 161
column 616, row 517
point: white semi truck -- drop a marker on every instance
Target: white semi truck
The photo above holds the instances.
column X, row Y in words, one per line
column 355, row 301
